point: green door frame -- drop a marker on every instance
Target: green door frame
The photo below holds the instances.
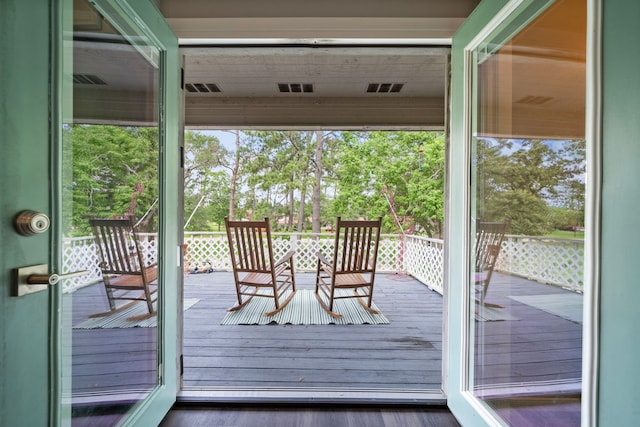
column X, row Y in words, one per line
column 33, row 101
column 24, row 184
column 145, row 20
column 485, row 17
column 457, row 219
column 154, row 408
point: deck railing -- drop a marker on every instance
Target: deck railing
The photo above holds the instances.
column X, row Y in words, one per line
column 81, row 253
column 424, row 260
column 212, row 250
column 557, row 262
column 553, row 261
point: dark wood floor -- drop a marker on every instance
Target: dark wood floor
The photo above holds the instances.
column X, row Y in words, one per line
column 300, row 417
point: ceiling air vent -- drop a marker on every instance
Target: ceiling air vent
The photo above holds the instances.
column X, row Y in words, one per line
column 203, row 87
column 534, row 100
column 384, row 87
column 295, row 87
column 88, row 79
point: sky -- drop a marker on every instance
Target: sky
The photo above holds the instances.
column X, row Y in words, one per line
column 226, row 138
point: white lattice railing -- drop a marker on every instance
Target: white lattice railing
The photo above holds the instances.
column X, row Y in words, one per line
column 206, row 250
column 424, row 260
column 81, row 253
column 554, row 261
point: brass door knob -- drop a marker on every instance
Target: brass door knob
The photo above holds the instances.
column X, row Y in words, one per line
column 28, row 223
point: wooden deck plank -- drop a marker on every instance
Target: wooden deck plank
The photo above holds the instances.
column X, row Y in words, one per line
column 406, row 353
column 538, row 347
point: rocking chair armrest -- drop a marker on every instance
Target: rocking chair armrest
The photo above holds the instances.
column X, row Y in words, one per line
column 287, row 257
column 322, row 259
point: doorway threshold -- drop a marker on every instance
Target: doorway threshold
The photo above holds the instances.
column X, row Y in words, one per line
column 312, row 396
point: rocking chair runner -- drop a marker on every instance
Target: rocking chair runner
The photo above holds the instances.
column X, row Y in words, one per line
column 254, row 270
column 489, row 237
column 124, row 272
column 353, row 267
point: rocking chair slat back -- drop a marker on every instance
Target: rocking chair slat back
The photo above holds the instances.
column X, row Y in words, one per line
column 124, row 272
column 356, row 246
column 489, row 237
column 255, row 272
column 251, row 244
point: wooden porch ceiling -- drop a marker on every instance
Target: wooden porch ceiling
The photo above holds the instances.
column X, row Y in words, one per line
column 246, row 50
column 345, row 87
column 248, row 78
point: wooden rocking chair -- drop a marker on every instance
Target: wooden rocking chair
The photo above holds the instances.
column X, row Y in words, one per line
column 489, row 237
column 125, row 274
column 353, row 266
column 254, row 270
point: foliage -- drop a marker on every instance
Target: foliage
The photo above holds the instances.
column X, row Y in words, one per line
column 280, row 169
column 206, row 184
column 294, row 176
column 524, row 180
column 281, row 175
column 361, row 175
column 114, row 174
column 561, row 218
column 563, row 234
column 396, row 175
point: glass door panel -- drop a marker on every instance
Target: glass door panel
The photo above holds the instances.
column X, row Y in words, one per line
column 527, row 204
column 110, row 164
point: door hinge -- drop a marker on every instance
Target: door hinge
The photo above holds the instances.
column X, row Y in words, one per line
column 181, row 365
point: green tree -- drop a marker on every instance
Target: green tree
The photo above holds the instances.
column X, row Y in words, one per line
column 353, row 174
column 206, row 184
column 282, row 172
column 397, row 175
column 114, row 174
column 521, row 179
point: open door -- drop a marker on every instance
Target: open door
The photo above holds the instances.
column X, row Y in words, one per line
column 519, row 150
column 116, row 156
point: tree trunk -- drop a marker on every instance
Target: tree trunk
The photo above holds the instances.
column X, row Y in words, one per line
column 292, row 207
column 253, row 203
column 234, row 178
column 303, row 195
column 315, row 200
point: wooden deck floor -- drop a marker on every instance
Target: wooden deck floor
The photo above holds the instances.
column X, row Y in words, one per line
column 405, row 354
column 107, row 360
column 535, row 347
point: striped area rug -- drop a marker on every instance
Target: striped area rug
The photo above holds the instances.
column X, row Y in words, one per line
column 119, row 319
column 304, row 309
column 492, row 314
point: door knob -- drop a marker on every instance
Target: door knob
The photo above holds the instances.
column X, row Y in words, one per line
column 35, row 278
column 28, row 223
